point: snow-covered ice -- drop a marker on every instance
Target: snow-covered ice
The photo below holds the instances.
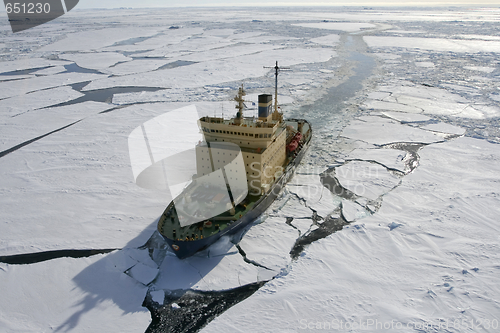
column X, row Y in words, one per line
column 421, row 243
column 366, row 179
column 388, row 133
column 434, row 44
column 438, row 264
column 343, row 26
column 96, row 60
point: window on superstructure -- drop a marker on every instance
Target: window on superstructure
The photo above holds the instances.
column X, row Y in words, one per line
column 212, row 130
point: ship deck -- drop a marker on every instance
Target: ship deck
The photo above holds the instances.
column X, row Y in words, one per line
column 169, row 222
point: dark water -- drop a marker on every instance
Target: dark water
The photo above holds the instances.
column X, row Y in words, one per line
column 194, row 309
column 31, row 258
column 102, row 95
column 74, row 68
column 71, row 68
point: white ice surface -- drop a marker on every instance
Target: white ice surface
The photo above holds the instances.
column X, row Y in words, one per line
column 428, row 100
column 316, row 196
column 29, row 63
column 18, row 105
column 15, row 77
column 27, row 126
column 406, row 117
column 269, row 244
column 352, row 211
column 328, row 40
column 445, row 128
column 97, row 39
column 77, row 174
column 95, row 60
column 425, row 64
column 217, row 71
column 437, row 264
column 342, row 26
column 434, row 44
column 76, row 295
column 50, row 71
column 209, row 270
column 136, row 66
column 388, row 133
column 167, row 37
column 484, row 69
column 366, row 179
column 390, row 158
column 21, row 87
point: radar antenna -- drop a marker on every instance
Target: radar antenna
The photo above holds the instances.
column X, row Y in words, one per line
column 277, row 69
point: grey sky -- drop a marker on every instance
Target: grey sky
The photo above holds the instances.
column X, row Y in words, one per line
column 181, row 3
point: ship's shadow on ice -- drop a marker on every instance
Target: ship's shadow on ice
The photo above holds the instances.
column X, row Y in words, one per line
column 125, row 276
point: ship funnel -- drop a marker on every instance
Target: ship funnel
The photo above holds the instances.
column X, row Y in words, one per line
column 265, row 101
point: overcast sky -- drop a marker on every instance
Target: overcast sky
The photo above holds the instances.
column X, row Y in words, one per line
column 181, row 3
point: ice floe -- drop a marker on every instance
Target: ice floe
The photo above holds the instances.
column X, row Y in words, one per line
column 366, row 179
column 216, row 71
column 438, row 255
column 17, row 105
column 27, row 125
column 342, row 26
column 445, row 128
column 97, row 39
column 434, row 44
column 21, row 87
column 30, row 63
column 389, row 158
column 96, row 60
column 406, row 117
column 380, row 133
column 74, row 293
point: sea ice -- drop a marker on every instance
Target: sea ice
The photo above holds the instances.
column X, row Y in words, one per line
column 97, row 39
column 352, row 211
column 17, row 105
column 480, row 68
column 206, row 272
column 342, row 26
column 22, row 87
column 444, row 128
column 269, row 243
column 96, row 60
column 216, row 71
column 434, row 44
column 143, row 273
column 447, row 211
column 71, row 294
column 328, row 40
column 26, row 126
column 366, row 179
column 50, row 71
column 389, row 158
column 406, row 117
column 135, row 66
column 29, row 63
column 384, row 133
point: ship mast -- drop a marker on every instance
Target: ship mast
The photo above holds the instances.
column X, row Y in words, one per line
column 240, row 106
column 277, row 69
